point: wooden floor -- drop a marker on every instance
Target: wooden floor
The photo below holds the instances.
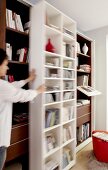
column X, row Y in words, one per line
column 81, row 164
column 82, row 158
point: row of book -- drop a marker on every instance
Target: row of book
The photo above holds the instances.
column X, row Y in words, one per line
column 52, row 97
column 82, row 80
column 21, row 54
column 52, row 61
column 67, row 133
column 20, row 117
column 68, row 95
column 68, row 74
column 68, row 50
column 67, row 85
column 52, row 117
column 68, row 64
column 83, row 132
column 51, row 142
column 67, row 157
column 13, row 20
column 84, row 67
column 68, row 113
column 52, row 72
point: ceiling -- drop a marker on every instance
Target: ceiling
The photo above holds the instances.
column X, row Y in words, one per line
column 89, row 14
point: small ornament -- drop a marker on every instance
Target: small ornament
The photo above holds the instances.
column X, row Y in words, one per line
column 50, row 47
column 85, row 49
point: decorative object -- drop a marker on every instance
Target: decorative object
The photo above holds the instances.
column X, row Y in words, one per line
column 85, row 49
column 78, row 48
column 49, row 46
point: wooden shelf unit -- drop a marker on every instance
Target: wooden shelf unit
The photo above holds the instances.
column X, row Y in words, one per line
column 18, row 39
column 85, row 112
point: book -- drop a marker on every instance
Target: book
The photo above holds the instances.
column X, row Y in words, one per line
column 88, row 90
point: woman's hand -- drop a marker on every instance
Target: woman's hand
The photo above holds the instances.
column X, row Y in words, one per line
column 32, row 75
column 41, row 88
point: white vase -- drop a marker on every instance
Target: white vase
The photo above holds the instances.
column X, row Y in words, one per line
column 85, row 49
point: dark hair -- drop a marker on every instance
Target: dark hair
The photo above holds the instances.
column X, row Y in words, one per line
column 3, row 55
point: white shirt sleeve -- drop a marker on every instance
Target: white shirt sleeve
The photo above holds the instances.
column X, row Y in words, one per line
column 12, row 94
column 18, row 84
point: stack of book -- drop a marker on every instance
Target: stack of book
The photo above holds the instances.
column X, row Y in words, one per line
column 83, row 132
column 52, row 97
column 68, row 113
column 67, row 133
column 51, row 142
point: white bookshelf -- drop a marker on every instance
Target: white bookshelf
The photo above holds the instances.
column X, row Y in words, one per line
column 57, row 70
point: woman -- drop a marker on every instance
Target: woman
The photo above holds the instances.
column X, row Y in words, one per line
column 11, row 93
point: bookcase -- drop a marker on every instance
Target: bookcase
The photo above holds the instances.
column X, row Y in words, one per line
column 15, row 40
column 53, row 114
column 85, row 101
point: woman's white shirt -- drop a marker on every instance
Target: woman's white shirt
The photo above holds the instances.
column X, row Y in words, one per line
column 11, row 93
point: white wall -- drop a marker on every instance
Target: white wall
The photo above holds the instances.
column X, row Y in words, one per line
column 101, row 76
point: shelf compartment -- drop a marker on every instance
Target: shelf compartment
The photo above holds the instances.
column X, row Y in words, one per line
column 55, row 40
column 52, row 142
column 17, row 38
column 52, row 117
column 68, row 132
column 53, row 86
column 53, row 17
column 54, row 157
column 68, row 155
column 68, row 85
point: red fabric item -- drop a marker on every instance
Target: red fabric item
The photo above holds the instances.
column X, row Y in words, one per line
column 100, row 148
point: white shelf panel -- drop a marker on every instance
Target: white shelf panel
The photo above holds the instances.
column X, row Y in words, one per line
column 51, row 128
column 68, row 100
column 54, row 67
column 68, row 58
column 48, row 104
column 72, row 163
column 68, row 69
column 50, row 54
column 83, row 144
column 52, row 78
column 69, row 90
column 51, row 31
column 68, row 79
column 68, row 121
column 56, row 91
column 68, row 38
column 51, row 152
column 67, row 142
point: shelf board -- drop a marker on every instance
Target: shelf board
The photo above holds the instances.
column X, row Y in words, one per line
column 69, row 90
column 67, row 142
column 52, row 78
column 68, row 100
column 68, row 69
column 51, row 31
column 17, row 62
column 51, row 128
column 83, row 55
column 52, row 152
column 50, row 54
column 16, row 31
column 68, row 38
column 54, row 67
column 83, row 144
column 70, row 79
column 48, row 104
column 68, row 58
column 81, row 71
column 56, row 91
column 66, row 122
column 72, row 163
